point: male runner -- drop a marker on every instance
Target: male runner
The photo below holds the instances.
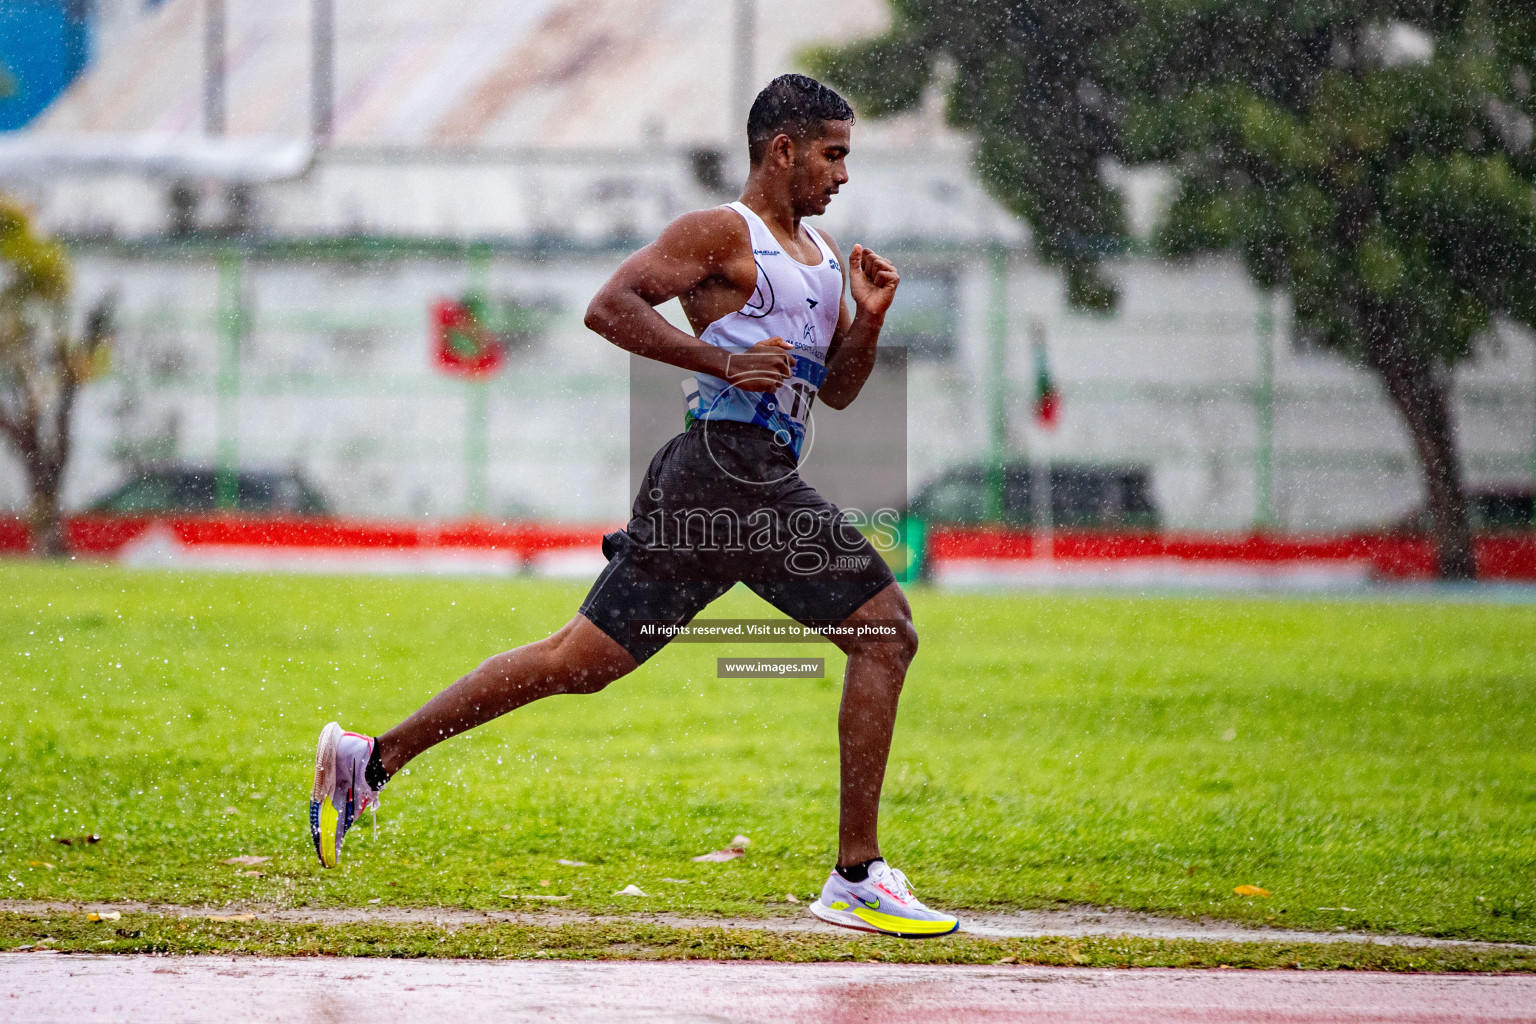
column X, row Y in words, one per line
column 764, row 295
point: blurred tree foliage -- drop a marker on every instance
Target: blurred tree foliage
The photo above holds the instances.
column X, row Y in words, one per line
column 42, row 364
column 1024, row 77
column 1372, row 157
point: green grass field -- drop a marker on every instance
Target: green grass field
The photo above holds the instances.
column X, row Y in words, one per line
column 1141, row 753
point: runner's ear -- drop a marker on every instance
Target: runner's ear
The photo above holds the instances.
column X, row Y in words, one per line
column 782, row 149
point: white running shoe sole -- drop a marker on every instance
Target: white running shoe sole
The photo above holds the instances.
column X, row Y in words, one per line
column 322, row 814
column 325, row 762
column 841, row 918
column 847, row 919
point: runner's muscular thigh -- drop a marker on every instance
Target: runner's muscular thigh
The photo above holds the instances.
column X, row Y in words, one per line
column 889, row 605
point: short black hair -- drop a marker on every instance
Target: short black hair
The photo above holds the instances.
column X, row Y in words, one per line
column 794, row 105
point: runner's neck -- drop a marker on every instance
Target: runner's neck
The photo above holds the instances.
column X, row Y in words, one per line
column 778, row 214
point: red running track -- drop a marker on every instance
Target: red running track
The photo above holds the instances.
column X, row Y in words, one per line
column 59, row 987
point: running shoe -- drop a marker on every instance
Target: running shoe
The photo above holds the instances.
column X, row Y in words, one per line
column 882, row 903
column 341, row 791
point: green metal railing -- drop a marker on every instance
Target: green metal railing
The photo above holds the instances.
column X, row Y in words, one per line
column 231, row 321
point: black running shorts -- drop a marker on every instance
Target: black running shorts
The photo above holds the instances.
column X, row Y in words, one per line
column 722, row 503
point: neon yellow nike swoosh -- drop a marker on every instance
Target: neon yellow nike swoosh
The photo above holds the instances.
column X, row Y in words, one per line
column 892, row 923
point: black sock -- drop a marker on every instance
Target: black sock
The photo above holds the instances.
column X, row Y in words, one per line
column 375, row 773
column 856, row 873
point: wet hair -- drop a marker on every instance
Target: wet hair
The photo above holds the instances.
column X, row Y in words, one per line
column 793, row 105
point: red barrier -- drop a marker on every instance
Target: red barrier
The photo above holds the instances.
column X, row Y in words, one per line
column 1508, row 556
column 13, row 534
column 108, row 535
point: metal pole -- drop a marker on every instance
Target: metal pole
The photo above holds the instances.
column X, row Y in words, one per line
column 476, row 446
column 1045, row 511
column 1264, row 410
column 480, row 272
column 997, row 365
column 230, row 325
column 1042, row 511
column 323, row 70
column 477, row 425
column 213, row 67
column 743, row 63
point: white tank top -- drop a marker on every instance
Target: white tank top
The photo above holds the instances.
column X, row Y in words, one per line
column 791, row 301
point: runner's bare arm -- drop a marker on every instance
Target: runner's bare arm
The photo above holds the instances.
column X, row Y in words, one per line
column 692, row 250
column 851, row 356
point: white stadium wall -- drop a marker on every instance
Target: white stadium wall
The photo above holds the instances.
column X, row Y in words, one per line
column 335, row 378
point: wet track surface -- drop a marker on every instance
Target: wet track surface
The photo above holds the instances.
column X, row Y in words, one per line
column 60, row 987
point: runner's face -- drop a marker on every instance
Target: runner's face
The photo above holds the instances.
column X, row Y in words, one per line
column 820, row 169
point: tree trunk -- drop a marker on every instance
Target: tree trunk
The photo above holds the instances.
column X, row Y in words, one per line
column 1419, row 388
column 46, row 525
column 44, row 467
column 45, row 474
column 45, row 533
